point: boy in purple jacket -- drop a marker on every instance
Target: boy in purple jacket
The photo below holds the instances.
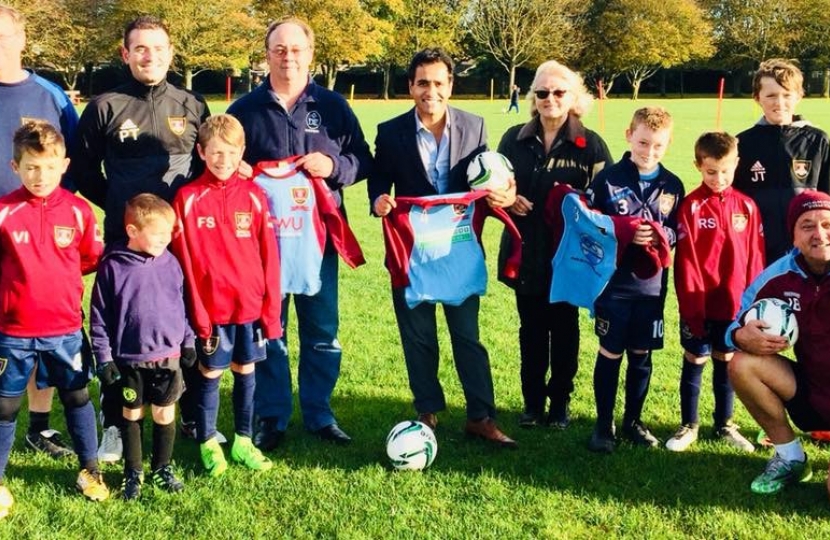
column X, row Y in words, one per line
column 140, row 335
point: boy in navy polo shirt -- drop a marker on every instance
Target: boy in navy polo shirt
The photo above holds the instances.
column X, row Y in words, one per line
column 226, row 245
column 140, row 335
column 48, row 240
column 629, row 313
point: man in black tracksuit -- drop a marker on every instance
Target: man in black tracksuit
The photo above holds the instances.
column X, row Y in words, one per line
column 144, row 133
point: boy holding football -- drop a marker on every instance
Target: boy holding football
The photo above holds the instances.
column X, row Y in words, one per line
column 228, row 252
column 141, row 338
column 629, row 312
column 720, row 250
column 48, row 240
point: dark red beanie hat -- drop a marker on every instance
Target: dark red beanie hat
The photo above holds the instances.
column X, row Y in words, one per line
column 804, row 202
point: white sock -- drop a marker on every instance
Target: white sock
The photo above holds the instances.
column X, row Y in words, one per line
column 791, row 451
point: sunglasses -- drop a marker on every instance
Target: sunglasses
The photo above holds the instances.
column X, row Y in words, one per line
column 543, row 94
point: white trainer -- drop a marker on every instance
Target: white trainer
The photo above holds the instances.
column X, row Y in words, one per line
column 730, row 434
column 111, row 448
column 683, row 438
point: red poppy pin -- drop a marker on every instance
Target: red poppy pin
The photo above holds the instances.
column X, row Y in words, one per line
column 580, row 142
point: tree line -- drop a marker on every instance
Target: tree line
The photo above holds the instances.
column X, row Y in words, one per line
column 605, row 39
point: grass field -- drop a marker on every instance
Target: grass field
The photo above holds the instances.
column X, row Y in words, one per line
column 552, row 487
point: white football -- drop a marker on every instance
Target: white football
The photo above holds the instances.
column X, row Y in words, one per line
column 411, row 446
column 489, row 170
column 778, row 316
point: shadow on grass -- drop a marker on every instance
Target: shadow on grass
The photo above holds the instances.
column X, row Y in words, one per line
column 711, row 475
column 708, row 476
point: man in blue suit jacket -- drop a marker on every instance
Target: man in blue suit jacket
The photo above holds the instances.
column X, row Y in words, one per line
column 425, row 151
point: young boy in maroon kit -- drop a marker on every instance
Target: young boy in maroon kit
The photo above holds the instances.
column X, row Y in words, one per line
column 48, row 240
column 720, row 250
column 226, row 245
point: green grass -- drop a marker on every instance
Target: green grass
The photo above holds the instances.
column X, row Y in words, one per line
column 552, row 487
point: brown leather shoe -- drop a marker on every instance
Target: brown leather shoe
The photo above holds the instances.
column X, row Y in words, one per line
column 486, row 429
column 428, row 418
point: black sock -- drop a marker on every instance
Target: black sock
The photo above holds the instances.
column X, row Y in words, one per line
column 690, row 377
column 164, row 435
column 637, row 379
column 724, row 394
column 189, row 402
column 606, row 380
column 38, row 421
column 131, row 437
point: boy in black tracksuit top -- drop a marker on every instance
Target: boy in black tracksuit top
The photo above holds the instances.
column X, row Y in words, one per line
column 781, row 155
column 629, row 313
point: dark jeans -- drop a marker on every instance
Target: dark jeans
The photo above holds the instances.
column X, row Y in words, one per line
column 548, row 339
column 419, row 337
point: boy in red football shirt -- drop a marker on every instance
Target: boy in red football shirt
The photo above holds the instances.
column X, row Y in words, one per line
column 720, row 250
column 226, row 245
column 48, row 240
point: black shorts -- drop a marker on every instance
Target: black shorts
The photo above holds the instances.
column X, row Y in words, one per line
column 713, row 340
column 801, row 411
column 150, row 386
column 629, row 323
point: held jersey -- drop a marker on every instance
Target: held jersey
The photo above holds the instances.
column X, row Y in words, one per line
column 616, row 191
column 305, row 215
column 433, row 246
column 46, row 245
column 588, row 247
column 720, row 250
column 225, row 243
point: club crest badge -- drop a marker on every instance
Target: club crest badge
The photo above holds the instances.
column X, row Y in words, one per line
column 243, row 224
column 3, row 363
column 601, row 326
column 739, row 222
column 666, row 203
column 210, row 345
column 459, row 209
column 130, row 395
column 64, row 236
column 313, row 120
column 801, row 169
column 299, row 194
column 177, row 124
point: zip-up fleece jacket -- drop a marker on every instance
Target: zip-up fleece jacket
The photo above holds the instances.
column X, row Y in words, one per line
column 720, row 250
column 46, row 245
column 145, row 137
column 226, row 245
column 778, row 162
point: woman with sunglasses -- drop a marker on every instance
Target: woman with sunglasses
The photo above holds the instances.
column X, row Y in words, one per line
column 552, row 148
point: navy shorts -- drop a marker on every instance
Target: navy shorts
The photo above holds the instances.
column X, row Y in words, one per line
column 629, row 323
column 150, row 385
column 240, row 343
column 64, row 362
column 714, row 338
column 801, row 411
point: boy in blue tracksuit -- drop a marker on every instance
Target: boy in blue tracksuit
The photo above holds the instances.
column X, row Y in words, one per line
column 629, row 313
column 140, row 336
